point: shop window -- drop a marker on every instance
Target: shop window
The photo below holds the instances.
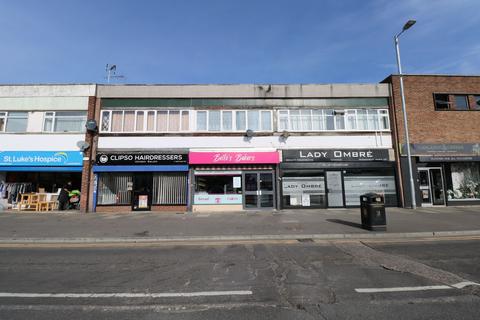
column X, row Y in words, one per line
column 442, row 101
column 464, row 182
column 303, row 190
column 169, row 189
column 13, row 121
column 218, row 189
column 217, row 184
column 361, row 181
column 114, row 188
column 461, row 102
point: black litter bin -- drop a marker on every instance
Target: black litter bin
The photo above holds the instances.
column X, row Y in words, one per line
column 372, row 206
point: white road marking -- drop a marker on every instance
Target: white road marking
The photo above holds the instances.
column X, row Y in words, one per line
column 459, row 285
column 463, row 284
column 400, row 289
column 126, row 294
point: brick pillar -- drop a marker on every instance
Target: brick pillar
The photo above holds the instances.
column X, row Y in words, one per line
column 87, row 162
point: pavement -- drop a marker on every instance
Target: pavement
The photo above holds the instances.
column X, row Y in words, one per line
column 73, row 226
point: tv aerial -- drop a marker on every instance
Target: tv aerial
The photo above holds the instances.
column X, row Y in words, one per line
column 111, row 70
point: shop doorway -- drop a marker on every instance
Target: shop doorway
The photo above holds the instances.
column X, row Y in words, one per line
column 259, row 190
column 335, row 189
column 431, row 186
column 142, row 191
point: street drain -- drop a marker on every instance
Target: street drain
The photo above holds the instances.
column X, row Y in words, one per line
column 305, row 240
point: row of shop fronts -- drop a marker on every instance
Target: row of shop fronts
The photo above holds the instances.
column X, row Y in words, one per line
column 242, row 180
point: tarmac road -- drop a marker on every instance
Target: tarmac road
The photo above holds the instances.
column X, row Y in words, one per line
column 307, row 280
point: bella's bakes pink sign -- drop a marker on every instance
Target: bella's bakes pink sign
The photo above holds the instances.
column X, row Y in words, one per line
column 233, row 157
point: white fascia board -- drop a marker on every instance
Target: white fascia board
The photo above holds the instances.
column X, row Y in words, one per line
column 238, row 142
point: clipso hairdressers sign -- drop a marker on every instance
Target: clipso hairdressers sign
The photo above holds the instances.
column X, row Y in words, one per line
column 325, row 155
column 141, row 158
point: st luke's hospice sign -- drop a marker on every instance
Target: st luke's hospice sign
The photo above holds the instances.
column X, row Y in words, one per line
column 41, row 158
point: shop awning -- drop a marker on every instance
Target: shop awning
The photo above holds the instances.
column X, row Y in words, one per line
column 163, row 168
column 41, row 169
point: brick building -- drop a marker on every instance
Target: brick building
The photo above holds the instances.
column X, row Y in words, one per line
column 444, row 129
column 238, row 147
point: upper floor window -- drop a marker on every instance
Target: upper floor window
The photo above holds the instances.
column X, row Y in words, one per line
column 461, row 102
column 145, row 121
column 332, row 119
column 233, row 120
column 441, row 101
column 64, row 121
column 13, row 121
column 476, row 106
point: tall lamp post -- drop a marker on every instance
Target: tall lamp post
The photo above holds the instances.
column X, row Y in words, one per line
column 407, row 26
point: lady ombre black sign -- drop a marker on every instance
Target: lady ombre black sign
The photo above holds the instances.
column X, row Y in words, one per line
column 325, row 155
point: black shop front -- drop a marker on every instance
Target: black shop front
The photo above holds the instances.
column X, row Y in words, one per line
column 335, row 178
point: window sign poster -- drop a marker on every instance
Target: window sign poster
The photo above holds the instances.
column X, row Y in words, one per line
column 299, row 185
column 217, row 199
column 143, row 202
column 305, row 200
column 358, row 185
column 237, row 182
column 294, row 200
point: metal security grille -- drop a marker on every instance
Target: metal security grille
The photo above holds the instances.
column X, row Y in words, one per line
column 170, row 188
column 113, row 188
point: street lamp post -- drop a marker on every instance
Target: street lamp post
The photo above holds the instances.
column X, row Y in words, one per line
column 404, row 110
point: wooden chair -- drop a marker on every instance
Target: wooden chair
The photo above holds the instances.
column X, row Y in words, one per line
column 50, row 204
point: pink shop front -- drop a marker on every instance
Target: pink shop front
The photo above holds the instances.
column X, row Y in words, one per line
column 233, row 180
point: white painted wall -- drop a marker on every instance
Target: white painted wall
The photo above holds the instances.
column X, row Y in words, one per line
column 43, row 103
column 40, row 142
column 267, row 142
column 35, row 122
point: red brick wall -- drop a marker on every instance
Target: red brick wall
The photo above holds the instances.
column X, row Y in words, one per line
column 426, row 125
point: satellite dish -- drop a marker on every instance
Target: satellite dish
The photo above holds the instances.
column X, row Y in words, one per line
column 91, row 125
column 83, row 145
column 249, row 133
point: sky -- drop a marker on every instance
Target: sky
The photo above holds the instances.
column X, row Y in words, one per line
column 227, row 41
